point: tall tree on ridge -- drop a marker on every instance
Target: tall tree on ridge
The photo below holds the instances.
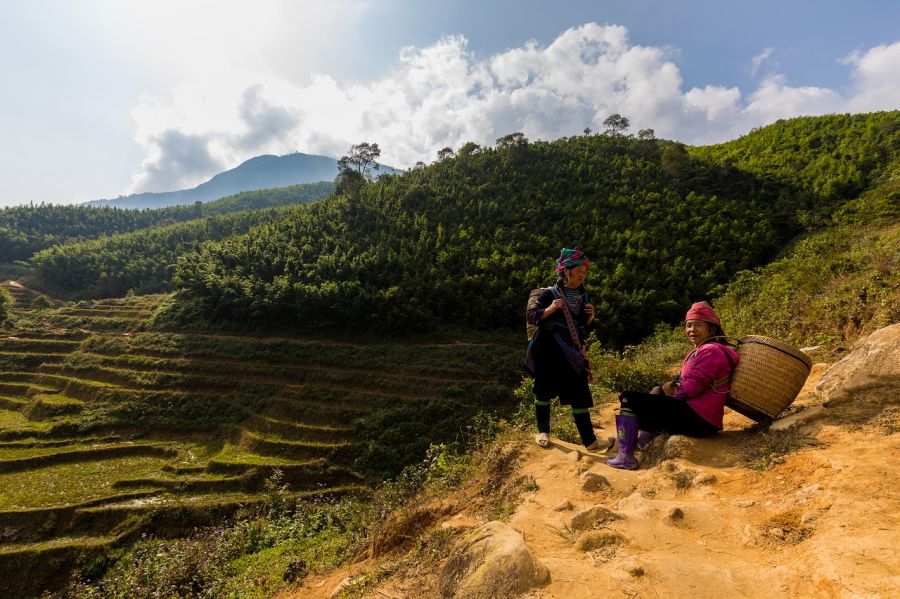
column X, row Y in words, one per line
column 356, row 168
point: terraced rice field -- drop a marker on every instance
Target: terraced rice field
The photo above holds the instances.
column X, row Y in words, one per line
column 109, row 429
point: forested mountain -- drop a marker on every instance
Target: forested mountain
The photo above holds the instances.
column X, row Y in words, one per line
column 462, row 241
column 261, row 172
column 141, row 261
column 25, row 230
column 834, row 157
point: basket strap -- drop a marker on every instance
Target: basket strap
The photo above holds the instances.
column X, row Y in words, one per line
column 726, row 379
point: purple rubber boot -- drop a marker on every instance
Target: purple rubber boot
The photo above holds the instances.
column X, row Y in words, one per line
column 626, row 431
column 644, row 439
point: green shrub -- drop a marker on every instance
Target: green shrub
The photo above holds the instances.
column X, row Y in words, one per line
column 830, row 288
column 639, row 367
column 41, row 302
column 6, row 304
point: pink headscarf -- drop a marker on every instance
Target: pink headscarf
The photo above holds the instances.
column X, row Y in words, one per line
column 702, row 311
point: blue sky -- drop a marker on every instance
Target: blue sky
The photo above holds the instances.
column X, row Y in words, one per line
column 108, row 97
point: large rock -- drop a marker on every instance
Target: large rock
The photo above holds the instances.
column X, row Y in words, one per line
column 491, row 562
column 871, row 370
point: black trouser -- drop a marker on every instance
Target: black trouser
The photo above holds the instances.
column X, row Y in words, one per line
column 664, row 414
column 582, row 421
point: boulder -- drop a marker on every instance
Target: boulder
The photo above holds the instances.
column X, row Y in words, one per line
column 872, row 368
column 490, row 562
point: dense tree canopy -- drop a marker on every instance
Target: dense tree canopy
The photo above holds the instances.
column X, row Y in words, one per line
column 141, row 261
column 463, row 240
column 25, row 230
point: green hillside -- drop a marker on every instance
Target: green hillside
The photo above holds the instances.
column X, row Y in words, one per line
column 141, row 261
column 830, row 287
column 109, row 430
column 462, row 240
column 25, row 230
column 338, row 343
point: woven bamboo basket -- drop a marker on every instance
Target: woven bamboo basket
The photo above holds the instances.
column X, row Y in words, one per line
column 768, row 377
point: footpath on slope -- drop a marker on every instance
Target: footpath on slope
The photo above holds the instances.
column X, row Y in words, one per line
column 813, row 511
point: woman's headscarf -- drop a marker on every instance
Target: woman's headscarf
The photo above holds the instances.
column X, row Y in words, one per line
column 702, row 311
column 570, row 258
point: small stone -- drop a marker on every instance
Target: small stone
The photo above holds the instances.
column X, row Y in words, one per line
column 593, row 517
column 596, row 539
column 574, row 456
column 565, row 506
column 809, row 517
column 592, row 482
column 743, row 503
column 749, row 534
column 679, row 446
column 704, row 479
column 635, row 506
column 811, row 489
column 675, row 515
column 582, row 467
column 776, row 532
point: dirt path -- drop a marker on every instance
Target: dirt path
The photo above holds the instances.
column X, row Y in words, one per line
column 824, row 521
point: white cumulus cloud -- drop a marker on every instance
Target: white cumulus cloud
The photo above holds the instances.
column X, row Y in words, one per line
column 445, row 95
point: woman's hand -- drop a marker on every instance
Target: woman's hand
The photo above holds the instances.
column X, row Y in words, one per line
column 553, row 307
column 669, row 388
column 589, row 310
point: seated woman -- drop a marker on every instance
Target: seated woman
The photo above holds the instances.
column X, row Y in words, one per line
column 693, row 404
column 563, row 314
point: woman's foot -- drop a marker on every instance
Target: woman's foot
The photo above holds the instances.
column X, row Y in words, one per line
column 595, row 446
column 543, row 439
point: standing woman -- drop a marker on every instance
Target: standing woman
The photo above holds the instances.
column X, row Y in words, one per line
column 692, row 404
column 555, row 357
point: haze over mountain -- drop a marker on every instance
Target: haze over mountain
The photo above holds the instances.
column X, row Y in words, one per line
column 261, row 172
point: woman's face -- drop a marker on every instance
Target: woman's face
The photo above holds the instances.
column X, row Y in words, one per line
column 575, row 276
column 697, row 331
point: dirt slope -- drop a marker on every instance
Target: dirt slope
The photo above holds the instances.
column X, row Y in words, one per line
column 814, row 512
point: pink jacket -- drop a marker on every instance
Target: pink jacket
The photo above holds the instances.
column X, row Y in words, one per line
column 701, row 369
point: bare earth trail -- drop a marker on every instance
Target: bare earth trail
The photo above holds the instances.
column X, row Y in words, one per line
column 698, row 521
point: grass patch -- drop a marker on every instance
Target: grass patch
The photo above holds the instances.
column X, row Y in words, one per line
column 66, row 484
column 768, row 449
column 16, row 421
column 830, row 288
column 234, row 454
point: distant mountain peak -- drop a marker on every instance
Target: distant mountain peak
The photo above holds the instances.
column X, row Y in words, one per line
column 260, row 172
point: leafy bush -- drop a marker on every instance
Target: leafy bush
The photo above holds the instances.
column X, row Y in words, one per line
column 6, row 304
column 639, row 367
